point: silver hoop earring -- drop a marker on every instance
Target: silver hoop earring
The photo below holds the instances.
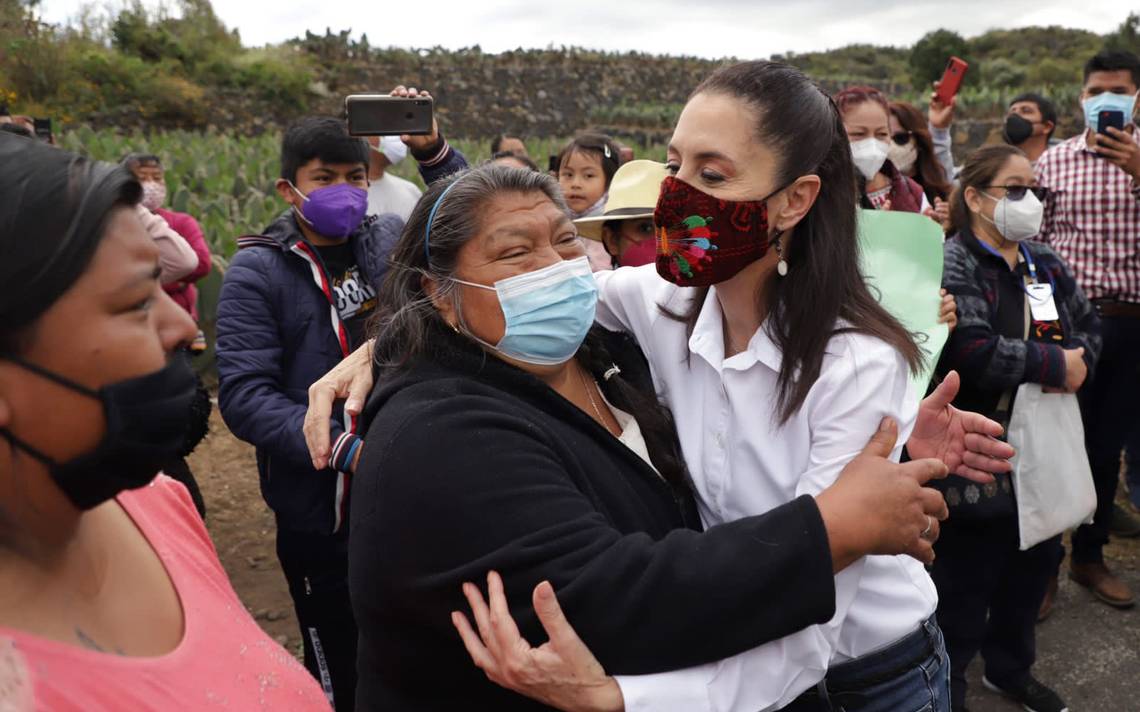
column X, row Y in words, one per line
column 782, row 265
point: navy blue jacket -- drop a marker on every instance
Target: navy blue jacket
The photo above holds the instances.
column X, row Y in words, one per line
column 278, row 332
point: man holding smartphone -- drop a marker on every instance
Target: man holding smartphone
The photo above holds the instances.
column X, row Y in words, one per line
column 1092, row 219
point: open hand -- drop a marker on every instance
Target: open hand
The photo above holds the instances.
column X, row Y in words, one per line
column 966, row 442
column 560, row 673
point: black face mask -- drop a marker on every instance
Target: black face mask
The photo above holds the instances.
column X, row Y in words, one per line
column 1017, row 130
column 147, row 419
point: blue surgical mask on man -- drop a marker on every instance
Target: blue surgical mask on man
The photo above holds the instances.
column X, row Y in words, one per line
column 548, row 312
column 1107, row 101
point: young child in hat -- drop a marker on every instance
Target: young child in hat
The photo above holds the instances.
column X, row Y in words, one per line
column 624, row 228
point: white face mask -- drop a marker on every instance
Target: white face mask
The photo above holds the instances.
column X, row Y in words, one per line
column 392, row 148
column 869, row 155
column 154, row 194
column 1017, row 220
column 903, row 157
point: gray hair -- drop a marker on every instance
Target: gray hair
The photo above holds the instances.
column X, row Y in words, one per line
column 405, row 313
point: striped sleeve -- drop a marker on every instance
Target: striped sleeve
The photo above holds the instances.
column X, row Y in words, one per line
column 344, row 451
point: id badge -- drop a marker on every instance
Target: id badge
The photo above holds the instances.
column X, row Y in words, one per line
column 1041, row 303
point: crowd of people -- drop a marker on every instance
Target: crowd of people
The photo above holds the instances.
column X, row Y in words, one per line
column 613, row 435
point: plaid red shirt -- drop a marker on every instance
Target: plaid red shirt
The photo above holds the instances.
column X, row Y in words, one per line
column 1092, row 219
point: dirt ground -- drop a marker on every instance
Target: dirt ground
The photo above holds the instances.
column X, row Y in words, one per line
column 1088, row 652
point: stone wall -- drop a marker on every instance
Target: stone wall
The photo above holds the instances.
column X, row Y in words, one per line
column 534, row 92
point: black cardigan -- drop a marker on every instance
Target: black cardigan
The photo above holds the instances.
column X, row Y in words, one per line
column 470, row 464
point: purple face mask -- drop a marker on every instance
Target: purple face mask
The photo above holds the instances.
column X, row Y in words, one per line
column 334, row 211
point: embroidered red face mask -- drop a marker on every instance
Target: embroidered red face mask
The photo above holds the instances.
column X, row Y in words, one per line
column 702, row 240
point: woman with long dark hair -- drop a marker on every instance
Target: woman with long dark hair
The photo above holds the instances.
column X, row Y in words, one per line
column 507, row 432
column 776, row 363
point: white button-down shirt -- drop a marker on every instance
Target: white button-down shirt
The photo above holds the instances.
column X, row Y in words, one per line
column 744, row 462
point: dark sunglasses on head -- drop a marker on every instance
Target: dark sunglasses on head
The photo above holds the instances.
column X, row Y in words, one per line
column 1017, row 192
column 902, row 137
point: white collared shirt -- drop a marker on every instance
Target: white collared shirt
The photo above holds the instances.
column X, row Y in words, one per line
column 744, row 462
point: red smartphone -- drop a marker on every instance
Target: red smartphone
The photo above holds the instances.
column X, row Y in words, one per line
column 951, row 79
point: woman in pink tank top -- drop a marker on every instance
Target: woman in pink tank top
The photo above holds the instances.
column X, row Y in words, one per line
column 111, row 594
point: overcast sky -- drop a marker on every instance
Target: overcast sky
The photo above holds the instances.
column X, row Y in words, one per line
column 708, row 28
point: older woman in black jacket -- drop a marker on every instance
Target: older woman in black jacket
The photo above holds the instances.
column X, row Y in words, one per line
column 506, row 434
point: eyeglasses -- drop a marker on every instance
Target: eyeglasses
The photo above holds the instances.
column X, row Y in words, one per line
column 1017, row 192
column 902, row 137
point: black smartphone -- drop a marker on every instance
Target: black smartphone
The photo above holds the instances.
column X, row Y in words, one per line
column 383, row 115
column 1109, row 118
column 42, row 129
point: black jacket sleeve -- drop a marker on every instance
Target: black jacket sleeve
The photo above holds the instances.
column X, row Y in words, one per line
column 464, row 486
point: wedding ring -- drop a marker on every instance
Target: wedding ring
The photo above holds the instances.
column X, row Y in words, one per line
column 929, row 526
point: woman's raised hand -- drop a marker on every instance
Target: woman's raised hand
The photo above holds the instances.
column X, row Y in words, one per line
column 561, row 673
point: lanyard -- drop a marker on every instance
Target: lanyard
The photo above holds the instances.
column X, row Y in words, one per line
column 1029, row 263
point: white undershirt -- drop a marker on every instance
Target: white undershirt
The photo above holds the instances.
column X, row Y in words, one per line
column 744, row 462
column 631, row 435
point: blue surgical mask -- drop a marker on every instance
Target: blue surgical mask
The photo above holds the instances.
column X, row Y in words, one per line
column 548, row 312
column 1107, row 101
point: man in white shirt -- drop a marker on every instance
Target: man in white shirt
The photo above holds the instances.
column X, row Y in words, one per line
column 388, row 193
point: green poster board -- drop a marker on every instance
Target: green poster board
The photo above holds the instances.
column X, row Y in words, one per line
column 902, row 262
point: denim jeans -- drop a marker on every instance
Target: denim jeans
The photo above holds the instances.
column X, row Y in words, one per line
column 874, row 683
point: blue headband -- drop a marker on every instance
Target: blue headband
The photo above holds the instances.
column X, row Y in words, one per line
column 431, row 218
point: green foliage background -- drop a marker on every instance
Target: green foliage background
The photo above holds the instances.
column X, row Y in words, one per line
column 135, row 66
column 226, row 181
